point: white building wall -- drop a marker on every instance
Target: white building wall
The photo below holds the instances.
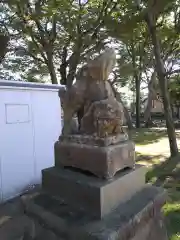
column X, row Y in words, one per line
column 30, row 123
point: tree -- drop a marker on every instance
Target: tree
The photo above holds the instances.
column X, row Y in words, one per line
column 174, row 90
column 134, row 49
column 4, row 39
column 118, row 96
column 152, row 94
column 151, row 14
column 57, row 35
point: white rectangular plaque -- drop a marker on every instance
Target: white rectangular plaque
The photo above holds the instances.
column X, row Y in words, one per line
column 17, row 113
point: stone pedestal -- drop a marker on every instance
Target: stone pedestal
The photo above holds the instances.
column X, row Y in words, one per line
column 101, row 203
column 95, row 196
column 102, row 157
column 139, row 218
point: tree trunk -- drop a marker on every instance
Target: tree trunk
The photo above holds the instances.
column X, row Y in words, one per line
column 151, row 97
column 4, row 44
column 178, row 112
column 73, row 62
column 53, row 76
column 147, row 112
column 128, row 117
column 137, row 82
column 161, row 73
column 126, row 112
column 172, row 110
column 149, row 122
column 51, row 69
column 63, row 67
column 137, row 86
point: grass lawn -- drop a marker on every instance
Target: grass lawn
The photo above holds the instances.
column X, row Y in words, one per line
column 153, row 151
column 146, row 136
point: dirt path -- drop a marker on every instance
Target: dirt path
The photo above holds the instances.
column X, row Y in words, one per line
column 161, row 147
column 158, row 149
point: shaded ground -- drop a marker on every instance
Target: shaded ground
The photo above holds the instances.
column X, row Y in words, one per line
column 16, row 225
column 152, row 150
column 167, row 174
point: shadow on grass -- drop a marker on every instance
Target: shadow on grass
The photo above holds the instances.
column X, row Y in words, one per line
column 146, row 136
column 167, row 174
column 148, row 159
column 172, row 214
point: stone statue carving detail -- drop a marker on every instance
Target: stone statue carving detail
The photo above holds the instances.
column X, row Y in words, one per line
column 103, row 115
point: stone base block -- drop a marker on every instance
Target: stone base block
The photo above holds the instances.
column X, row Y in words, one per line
column 94, row 141
column 95, row 196
column 103, row 162
column 139, row 218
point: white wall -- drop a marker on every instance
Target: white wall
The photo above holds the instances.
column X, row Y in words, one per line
column 30, row 123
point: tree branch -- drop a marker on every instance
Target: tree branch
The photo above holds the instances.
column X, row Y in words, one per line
column 21, row 16
column 101, row 18
column 33, row 56
column 53, row 30
column 176, row 71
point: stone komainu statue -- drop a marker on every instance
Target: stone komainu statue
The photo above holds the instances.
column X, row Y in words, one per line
column 103, row 114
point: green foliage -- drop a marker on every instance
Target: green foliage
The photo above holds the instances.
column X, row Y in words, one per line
column 56, row 37
column 58, row 34
column 174, row 90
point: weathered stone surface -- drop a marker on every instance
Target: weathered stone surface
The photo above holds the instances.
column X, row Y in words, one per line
column 17, row 228
column 11, row 209
column 137, row 219
column 154, row 229
column 101, row 114
column 95, row 141
column 95, row 196
column 47, row 235
column 103, row 162
column 25, row 228
column 103, row 118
